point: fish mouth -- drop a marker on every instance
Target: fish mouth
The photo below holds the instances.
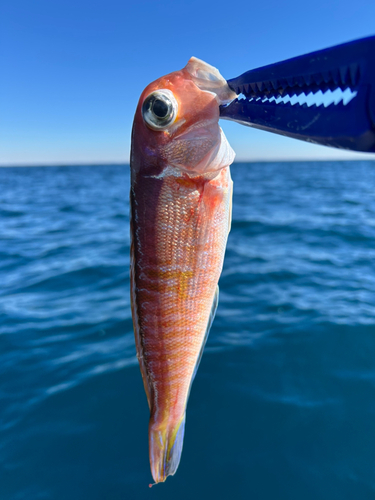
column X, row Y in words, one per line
column 209, row 79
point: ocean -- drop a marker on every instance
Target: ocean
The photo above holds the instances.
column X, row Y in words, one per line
column 283, row 405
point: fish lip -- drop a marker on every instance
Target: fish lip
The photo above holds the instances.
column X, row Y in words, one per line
column 208, row 79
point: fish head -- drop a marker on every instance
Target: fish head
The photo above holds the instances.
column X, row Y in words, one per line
column 176, row 123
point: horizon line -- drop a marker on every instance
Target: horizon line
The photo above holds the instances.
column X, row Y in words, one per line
column 116, row 163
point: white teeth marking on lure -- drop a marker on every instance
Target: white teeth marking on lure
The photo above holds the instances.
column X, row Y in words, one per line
column 318, row 99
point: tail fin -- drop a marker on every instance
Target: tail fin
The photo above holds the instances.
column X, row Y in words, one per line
column 165, row 449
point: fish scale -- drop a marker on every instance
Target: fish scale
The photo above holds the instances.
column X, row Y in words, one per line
column 187, row 301
column 178, row 301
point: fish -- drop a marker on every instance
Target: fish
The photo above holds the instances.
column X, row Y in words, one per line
column 181, row 199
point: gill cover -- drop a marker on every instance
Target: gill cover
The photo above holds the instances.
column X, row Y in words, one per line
column 208, row 79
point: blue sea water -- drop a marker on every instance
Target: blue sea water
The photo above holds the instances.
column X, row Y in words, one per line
column 283, row 405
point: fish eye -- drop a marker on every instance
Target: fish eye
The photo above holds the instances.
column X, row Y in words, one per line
column 159, row 109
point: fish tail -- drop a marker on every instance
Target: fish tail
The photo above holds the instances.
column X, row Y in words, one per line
column 165, row 441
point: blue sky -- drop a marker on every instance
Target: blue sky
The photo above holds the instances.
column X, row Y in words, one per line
column 72, row 71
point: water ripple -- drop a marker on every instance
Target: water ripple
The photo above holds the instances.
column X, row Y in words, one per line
column 288, row 373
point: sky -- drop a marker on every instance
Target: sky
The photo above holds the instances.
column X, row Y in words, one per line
column 72, row 71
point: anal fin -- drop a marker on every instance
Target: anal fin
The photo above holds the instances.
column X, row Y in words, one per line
column 211, row 317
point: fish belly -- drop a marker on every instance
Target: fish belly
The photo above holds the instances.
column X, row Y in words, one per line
column 180, row 226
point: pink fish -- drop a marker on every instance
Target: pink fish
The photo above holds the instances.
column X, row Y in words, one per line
column 181, row 195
